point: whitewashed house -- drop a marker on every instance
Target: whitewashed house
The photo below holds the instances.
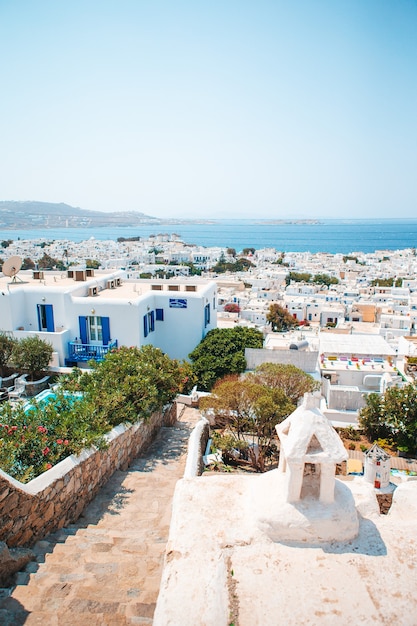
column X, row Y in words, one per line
column 84, row 313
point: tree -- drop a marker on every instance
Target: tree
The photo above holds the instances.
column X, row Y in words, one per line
column 248, row 411
column 298, row 277
column 92, row 264
column 382, row 282
column 290, row 379
column 28, row 264
column 280, row 261
column 6, row 348
column 222, row 352
column 49, row 263
column 247, row 251
column 231, row 251
column 231, row 307
column 280, row 319
column 32, row 355
column 194, row 271
column 392, row 415
column 324, row 279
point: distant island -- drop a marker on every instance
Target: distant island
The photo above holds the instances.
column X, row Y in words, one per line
column 289, row 221
column 46, row 215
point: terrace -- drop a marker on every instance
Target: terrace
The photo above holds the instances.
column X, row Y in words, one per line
column 347, row 379
column 84, row 352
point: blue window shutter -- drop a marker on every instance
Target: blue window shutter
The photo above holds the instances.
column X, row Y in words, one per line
column 159, row 315
column 49, row 312
column 39, row 317
column 151, row 321
column 145, row 325
column 83, row 328
column 105, row 326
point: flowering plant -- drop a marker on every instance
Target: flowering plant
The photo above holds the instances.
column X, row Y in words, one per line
column 129, row 385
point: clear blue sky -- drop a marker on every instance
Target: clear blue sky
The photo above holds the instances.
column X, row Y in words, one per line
column 211, row 108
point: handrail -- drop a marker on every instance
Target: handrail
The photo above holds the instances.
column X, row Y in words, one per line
column 87, row 351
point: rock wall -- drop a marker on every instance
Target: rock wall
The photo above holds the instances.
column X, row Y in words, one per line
column 58, row 497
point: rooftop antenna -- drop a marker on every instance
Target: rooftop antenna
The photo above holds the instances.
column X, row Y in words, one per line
column 11, row 268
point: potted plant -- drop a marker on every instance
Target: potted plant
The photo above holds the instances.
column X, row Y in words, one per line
column 32, row 356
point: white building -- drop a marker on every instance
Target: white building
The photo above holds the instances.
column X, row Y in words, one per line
column 83, row 313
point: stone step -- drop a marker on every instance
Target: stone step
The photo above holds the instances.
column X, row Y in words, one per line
column 105, row 569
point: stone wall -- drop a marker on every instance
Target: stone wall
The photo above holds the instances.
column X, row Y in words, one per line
column 58, row 497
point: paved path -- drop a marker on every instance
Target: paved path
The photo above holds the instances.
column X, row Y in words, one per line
column 105, row 569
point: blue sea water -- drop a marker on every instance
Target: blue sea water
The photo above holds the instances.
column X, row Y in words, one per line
column 344, row 236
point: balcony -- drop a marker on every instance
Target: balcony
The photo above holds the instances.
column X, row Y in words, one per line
column 84, row 352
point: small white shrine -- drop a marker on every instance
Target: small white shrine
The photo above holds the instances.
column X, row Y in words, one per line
column 303, row 500
column 377, row 467
column 310, row 450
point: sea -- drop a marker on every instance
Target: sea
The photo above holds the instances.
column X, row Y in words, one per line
column 334, row 236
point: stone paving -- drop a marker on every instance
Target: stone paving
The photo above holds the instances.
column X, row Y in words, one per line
column 105, row 569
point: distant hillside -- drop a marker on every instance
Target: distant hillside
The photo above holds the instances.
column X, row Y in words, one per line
column 32, row 214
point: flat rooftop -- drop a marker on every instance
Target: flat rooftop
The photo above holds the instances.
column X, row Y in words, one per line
column 126, row 289
column 354, row 344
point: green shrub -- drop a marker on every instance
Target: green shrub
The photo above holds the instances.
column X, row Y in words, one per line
column 129, row 385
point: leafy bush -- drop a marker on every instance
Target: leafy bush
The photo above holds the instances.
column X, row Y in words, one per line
column 230, row 446
column 349, row 433
column 392, row 416
column 222, row 352
column 129, row 385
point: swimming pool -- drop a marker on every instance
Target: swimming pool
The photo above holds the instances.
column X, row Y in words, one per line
column 48, row 395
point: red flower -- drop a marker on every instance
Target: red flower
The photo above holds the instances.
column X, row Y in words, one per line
column 45, row 451
column 48, row 466
column 59, row 441
column 66, row 442
column 42, row 429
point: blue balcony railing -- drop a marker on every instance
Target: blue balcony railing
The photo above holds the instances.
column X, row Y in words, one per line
column 87, row 351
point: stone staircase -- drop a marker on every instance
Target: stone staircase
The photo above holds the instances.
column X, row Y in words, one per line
column 105, row 569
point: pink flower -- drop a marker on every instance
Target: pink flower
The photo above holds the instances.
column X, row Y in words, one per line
column 66, row 442
column 42, row 429
column 59, row 441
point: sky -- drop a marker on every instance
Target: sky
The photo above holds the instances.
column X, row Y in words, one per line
column 211, row 108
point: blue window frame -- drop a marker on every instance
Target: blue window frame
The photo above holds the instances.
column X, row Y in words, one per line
column 46, row 318
column 151, row 321
column 100, row 324
column 145, row 325
column 159, row 315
